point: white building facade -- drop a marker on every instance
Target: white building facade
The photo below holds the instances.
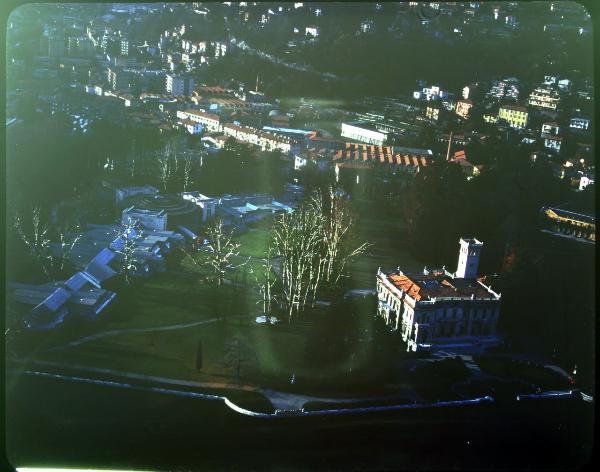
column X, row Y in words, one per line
column 437, row 309
column 179, row 85
column 210, row 121
column 363, row 134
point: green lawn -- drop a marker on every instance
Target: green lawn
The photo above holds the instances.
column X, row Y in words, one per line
column 271, row 354
column 254, row 242
column 266, row 353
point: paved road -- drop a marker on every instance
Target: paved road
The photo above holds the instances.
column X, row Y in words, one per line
column 116, row 332
column 275, row 60
column 280, row 400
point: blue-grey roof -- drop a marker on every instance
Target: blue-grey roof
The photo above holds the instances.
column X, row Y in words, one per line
column 98, row 269
column 76, row 281
column 98, row 273
column 40, row 318
column 56, row 299
column 104, row 257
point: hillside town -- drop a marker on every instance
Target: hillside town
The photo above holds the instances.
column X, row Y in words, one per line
column 263, row 203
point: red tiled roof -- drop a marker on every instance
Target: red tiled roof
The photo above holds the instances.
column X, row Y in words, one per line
column 406, row 285
column 368, row 154
column 436, row 285
column 210, row 116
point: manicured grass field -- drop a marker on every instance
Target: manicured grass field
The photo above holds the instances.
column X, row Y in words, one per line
column 269, row 356
column 264, row 353
column 254, row 242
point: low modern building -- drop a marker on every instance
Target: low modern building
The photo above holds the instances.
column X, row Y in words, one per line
column 123, row 194
column 364, row 133
column 81, row 295
column 437, row 309
column 161, row 212
column 206, row 204
column 150, row 219
column 52, row 302
column 151, row 249
column 239, row 210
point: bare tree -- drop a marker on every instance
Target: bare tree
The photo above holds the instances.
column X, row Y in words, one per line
column 219, row 254
column 266, row 282
column 174, row 155
column 237, row 355
column 338, row 221
column 314, row 248
column 129, row 234
column 188, row 165
column 133, row 155
column 35, row 237
column 67, row 239
column 164, row 168
column 296, row 239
